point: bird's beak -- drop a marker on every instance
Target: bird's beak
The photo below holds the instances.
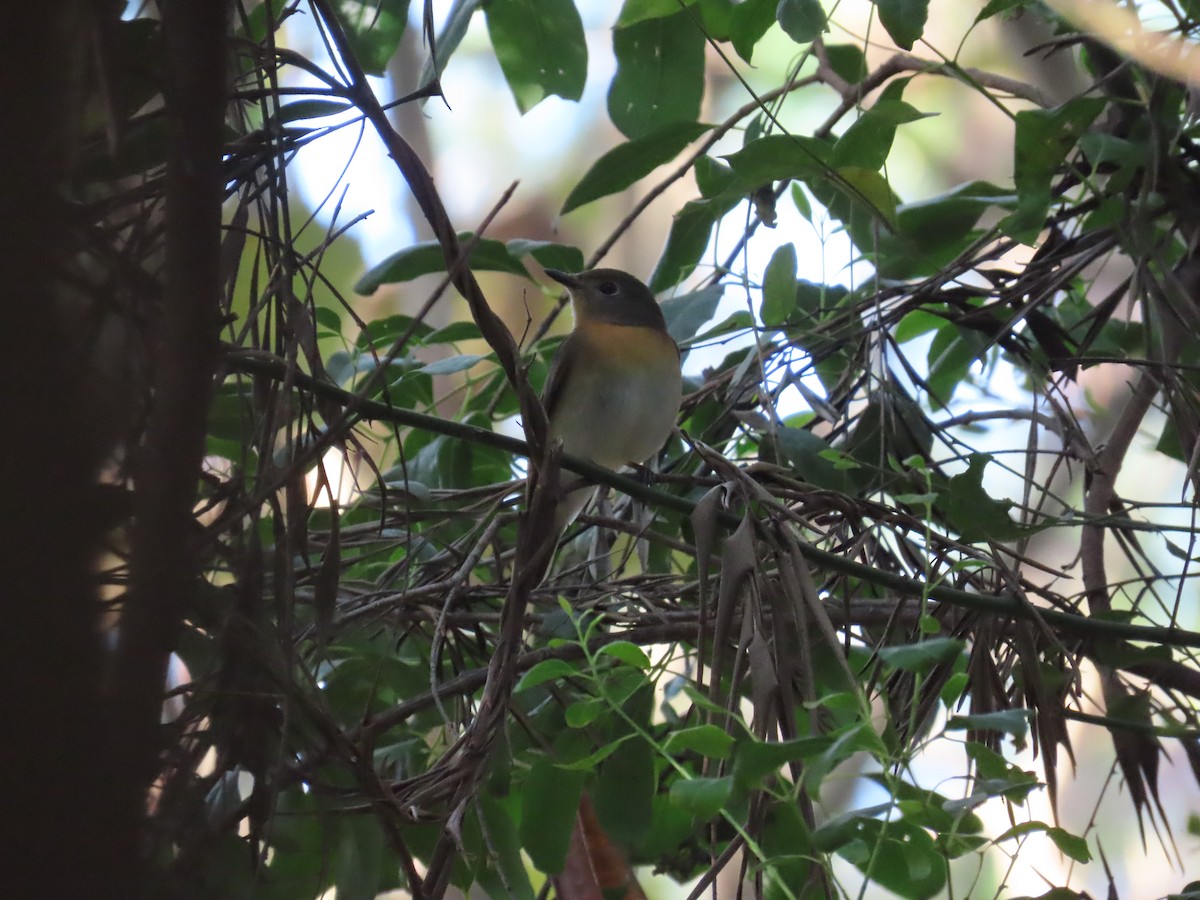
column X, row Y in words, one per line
column 566, row 280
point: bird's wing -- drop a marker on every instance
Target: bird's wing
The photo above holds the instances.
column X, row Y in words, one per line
column 557, row 376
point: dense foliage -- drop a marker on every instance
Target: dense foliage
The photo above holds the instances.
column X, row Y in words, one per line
column 893, row 525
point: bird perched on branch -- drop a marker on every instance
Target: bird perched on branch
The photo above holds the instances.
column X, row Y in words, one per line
column 615, row 385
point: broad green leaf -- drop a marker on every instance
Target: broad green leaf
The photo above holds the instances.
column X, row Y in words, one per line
column 702, row 797
column 805, row 452
column 972, row 512
column 754, row 760
column 380, row 334
column 628, row 653
column 546, row 670
column 540, row 47
column 800, row 201
column 716, row 15
column 787, row 842
column 748, row 23
column 314, row 108
column 582, row 713
column 862, row 199
column 904, row 20
column 1043, row 139
column 923, row 655
column 707, row 740
column 848, row 61
column 426, row 257
column 713, row 178
column 1071, row 845
column 779, row 156
column 548, row 254
column 624, row 792
column 374, row 29
column 361, row 861
column 995, row 7
column 549, row 801
column 686, row 242
column 929, row 233
column 454, row 333
column 898, row 856
column 686, row 313
column 1008, row 721
column 629, row 162
column 660, row 74
column 779, row 286
column 329, row 318
column 451, row 35
column 451, row 364
column 634, row 11
column 801, row 20
column 504, row 842
column 868, row 141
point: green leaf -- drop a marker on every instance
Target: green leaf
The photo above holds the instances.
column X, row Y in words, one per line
column 714, row 178
column 540, row 47
column 382, row 333
column 315, row 108
column 504, row 842
column 624, row 792
column 584, row 712
column 454, row 333
column 923, row 655
column 861, row 199
column 451, row 364
column 1071, row 845
column 1043, row 139
column 549, row 802
column 972, row 512
column 754, row 760
column 629, row 653
column 707, row 740
column 686, row 242
column 995, row 7
column 329, row 318
column 779, row 156
column 1008, row 721
column 546, row 670
column 358, row 862
column 374, row 29
column 634, row 11
column 868, row 141
column 660, row 74
column 686, row 313
column 548, row 254
column 807, row 454
column 904, row 20
column 899, row 856
column 779, row 286
column 425, row 258
column 847, row 61
column 801, row 20
column 702, row 797
column 629, row 162
column 748, row 23
column 929, row 233
column 787, row 843
column 448, row 39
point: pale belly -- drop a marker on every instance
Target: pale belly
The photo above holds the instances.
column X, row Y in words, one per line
column 617, row 418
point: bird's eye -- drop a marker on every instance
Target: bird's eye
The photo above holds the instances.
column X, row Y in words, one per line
column 608, row 288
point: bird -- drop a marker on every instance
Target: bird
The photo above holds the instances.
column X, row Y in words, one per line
column 614, row 387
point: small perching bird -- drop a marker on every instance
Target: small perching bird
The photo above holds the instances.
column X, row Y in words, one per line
column 615, row 384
